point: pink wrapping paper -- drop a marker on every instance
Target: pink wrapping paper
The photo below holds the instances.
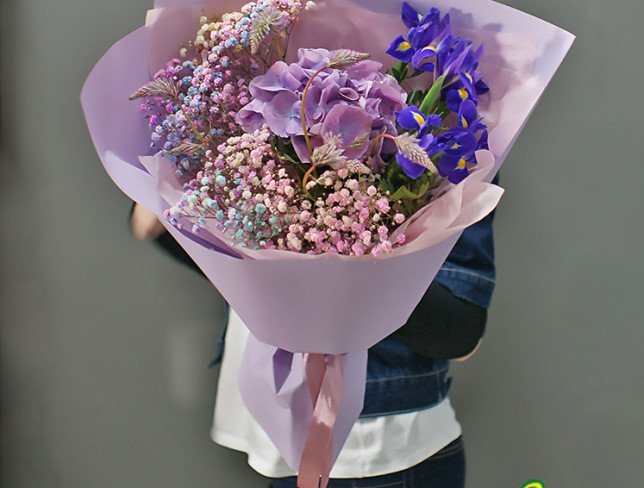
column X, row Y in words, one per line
column 325, row 304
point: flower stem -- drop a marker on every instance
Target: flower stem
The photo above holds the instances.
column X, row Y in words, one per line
column 302, row 109
column 286, row 43
column 279, row 49
column 377, row 139
column 307, row 175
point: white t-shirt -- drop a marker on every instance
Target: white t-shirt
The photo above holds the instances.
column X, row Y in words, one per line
column 375, row 446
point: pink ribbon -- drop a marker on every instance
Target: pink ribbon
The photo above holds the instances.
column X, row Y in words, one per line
column 324, row 375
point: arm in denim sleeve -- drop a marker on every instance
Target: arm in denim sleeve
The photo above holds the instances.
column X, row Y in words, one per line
column 450, row 319
column 443, row 326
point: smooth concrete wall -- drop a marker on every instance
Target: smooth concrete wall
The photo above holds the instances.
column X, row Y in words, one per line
column 105, row 342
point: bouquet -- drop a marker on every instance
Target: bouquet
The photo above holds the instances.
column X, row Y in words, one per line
column 318, row 171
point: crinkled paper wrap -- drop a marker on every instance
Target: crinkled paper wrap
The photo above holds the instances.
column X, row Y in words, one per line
column 327, row 304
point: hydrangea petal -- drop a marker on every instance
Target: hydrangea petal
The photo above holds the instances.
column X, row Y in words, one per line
column 349, row 123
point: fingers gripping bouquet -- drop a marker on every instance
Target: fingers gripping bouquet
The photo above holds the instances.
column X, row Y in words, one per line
column 317, row 171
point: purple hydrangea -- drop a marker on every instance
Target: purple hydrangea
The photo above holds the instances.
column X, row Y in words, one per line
column 372, row 95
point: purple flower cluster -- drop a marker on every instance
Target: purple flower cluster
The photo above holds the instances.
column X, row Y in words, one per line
column 359, row 101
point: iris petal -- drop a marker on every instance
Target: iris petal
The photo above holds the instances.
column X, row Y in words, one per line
column 483, row 141
column 401, row 49
column 410, row 118
column 481, row 87
column 411, row 169
column 453, row 100
column 467, row 114
column 434, row 120
column 458, row 141
column 453, row 168
column 423, row 59
column 410, row 16
column 432, row 16
column 458, row 175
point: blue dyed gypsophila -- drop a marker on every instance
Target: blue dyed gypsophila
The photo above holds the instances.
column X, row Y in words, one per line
column 211, row 86
column 167, row 128
column 430, row 46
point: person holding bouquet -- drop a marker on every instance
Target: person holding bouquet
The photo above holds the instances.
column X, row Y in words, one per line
column 302, row 161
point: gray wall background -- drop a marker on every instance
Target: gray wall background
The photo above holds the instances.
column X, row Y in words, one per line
column 104, row 379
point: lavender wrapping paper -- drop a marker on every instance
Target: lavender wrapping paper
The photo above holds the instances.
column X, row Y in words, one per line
column 319, row 304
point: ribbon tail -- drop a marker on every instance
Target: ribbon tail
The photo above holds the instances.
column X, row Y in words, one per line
column 325, row 377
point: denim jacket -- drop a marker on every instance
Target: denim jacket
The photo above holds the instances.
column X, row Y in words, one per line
column 400, row 380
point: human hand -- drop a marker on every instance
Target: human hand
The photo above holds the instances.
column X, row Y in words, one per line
column 465, row 358
column 145, row 224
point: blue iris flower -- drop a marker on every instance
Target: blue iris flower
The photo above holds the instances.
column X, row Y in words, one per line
column 456, row 141
column 468, row 118
column 454, row 168
column 411, row 118
column 454, row 97
column 423, row 30
column 458, row 146
column 451, row 62
column 429, row 29
column 468, row 83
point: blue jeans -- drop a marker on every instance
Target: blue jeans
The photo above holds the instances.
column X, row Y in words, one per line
column 445, row 469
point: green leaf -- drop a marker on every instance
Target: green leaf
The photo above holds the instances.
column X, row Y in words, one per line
column 415, row 97
column 423, row 188
column 399, row 71
column 432, row 96
column 287, row 157
column 285, row 151
column 409, row 208
column 413, row 190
